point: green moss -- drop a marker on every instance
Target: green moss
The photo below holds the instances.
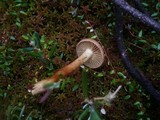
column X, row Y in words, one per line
column 23, row 64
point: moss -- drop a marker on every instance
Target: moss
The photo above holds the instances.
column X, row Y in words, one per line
column 54, row 21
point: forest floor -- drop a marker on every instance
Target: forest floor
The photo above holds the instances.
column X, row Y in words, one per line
column 57, row 27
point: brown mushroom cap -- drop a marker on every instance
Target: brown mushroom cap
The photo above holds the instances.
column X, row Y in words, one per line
column 97, row 59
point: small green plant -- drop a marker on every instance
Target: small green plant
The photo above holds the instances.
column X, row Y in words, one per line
column 39, row 48
column 15, row 112
column 156, row 46
column 6, row 60
column 18, row 113
column 91, row 106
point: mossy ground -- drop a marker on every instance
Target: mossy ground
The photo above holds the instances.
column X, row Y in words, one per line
column 58, row 23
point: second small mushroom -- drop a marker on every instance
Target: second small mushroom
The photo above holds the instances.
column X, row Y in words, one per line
column 90, row 53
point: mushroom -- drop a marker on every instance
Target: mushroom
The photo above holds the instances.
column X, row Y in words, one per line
column 90, row 53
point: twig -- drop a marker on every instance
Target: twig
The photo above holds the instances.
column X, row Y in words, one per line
column 138, row 75
column 139, row 6
column 137, row 14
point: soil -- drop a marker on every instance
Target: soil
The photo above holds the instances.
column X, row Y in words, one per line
column 62, row 25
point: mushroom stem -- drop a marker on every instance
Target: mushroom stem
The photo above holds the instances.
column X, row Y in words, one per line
column 40, row 86
column 72, row 66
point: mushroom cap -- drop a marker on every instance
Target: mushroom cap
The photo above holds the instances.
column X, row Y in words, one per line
column 97, row 59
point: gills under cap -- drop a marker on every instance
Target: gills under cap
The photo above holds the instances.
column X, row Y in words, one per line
column 97, row 59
